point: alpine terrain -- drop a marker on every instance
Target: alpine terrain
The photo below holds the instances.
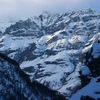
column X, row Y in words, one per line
column 58, row 51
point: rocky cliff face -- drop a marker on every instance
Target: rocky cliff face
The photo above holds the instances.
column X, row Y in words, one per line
column 15, row 84
column 90, row 71
column 49, row 47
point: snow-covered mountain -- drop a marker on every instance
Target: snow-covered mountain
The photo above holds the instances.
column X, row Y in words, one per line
column 90, row 71
column 51, row 48
column 15, row 84
column 4, row 24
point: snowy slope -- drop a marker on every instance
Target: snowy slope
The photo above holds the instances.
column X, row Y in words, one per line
column 15, row 84
column 91, row 90
column 4, row 24
column 14, row 43
column 48, row 47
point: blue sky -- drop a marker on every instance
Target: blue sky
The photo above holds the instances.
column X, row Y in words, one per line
column 25, row 8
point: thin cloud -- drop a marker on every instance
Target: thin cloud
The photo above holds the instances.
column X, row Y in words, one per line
column 25, row 8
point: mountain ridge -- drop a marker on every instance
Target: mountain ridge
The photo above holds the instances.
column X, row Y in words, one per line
column 50, row 48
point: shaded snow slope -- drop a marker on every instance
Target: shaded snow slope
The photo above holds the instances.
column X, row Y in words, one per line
column 91, row 90
column 90, row 72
